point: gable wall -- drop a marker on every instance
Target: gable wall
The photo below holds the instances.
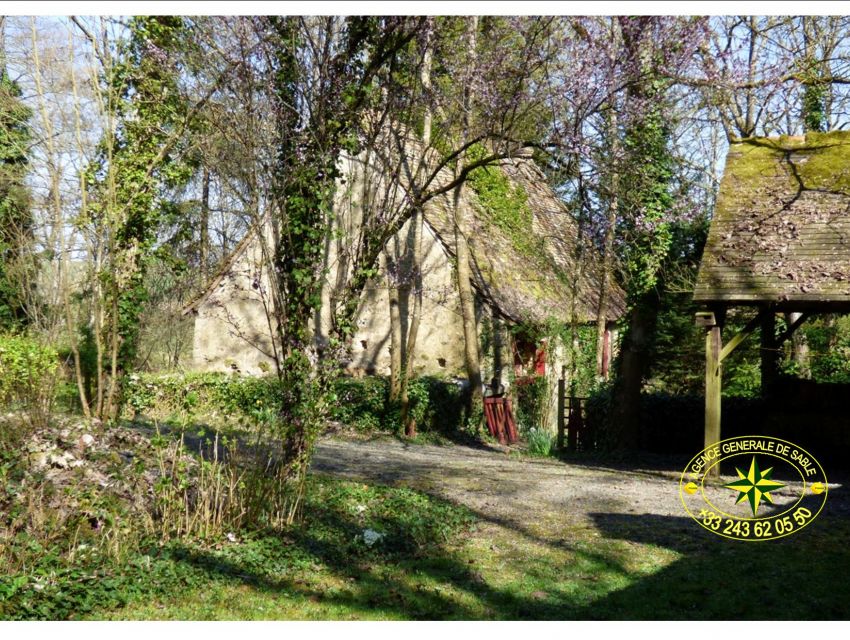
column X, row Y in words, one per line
column 232, row 330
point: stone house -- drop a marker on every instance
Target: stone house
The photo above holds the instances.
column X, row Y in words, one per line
column 546, row 276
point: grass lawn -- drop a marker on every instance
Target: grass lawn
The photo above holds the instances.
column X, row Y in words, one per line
column 438, row 561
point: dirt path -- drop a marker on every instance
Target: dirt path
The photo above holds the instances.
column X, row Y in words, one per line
column 519, row 492
column 543, row 498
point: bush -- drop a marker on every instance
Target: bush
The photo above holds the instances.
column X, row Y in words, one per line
column 668, row 423
column 248, row 400
column 531, row 402
column 437, row 405
column 27, row 376
column 360, row 403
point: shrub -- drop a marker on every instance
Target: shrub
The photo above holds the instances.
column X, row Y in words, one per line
column 743, row 380
column 360, row 403
column 248, row 400
column 531, row 402
column 674, row 424
column 27, row 376
column 437, row 405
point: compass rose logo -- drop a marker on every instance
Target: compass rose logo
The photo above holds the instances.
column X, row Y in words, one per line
column 761, row 514
column 754, row 485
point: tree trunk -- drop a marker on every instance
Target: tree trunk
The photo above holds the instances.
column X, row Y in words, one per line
column 769, row 354
column 633, row 365
column 204, row 253
column 58, row 225
column 799, row 347
column 472, row 358
column 395, row 270
column 414, row 314
column 601, row 311
column 644, row 198
column 607, row 254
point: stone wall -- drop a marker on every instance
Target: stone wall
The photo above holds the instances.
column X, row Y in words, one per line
column 232, row 330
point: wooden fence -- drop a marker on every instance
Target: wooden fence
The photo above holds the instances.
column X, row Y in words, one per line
column 572, row 426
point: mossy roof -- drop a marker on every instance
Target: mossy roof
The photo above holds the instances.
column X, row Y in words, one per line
column 557, row 279
column 781, row 226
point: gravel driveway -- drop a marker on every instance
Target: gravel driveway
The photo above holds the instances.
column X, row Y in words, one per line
column 544, row 497
column 540, row 496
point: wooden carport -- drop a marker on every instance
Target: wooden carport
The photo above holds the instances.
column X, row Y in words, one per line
column 779, row 241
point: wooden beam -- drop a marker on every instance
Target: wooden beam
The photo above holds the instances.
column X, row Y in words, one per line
column 606, row 353
column 794, row 326
column 705, row 319
column 713, row 379
column 741, row 335
column 572, row 430
column 562, row 391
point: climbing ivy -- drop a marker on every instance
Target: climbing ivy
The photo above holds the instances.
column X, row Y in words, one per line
column 135, row 167
column 15, row 215
column 647, row 197
column 309, row 143
column 306, row 168
column 646, row 209
column 814, row 107
column 505, row 204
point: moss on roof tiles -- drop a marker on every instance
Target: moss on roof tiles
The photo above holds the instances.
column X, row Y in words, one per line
column 539, row 278
column 781, row 228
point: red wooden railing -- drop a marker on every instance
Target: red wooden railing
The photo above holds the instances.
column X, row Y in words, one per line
column 500, row 419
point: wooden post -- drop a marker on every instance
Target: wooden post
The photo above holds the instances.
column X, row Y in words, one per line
column 572, row 424
column 713, row 376
column 606, row 352
column 562, row 389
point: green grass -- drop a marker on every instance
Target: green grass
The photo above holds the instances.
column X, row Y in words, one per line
column 452, row 565
column 441, row 561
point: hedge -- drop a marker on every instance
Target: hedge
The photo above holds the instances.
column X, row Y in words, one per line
column 360, row 403
column 811, row 416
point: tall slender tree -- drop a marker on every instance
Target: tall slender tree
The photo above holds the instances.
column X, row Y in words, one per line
column 16, row 222
column 140, row 157
column 323, row 78
column 415, row 283
column 463, row 268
